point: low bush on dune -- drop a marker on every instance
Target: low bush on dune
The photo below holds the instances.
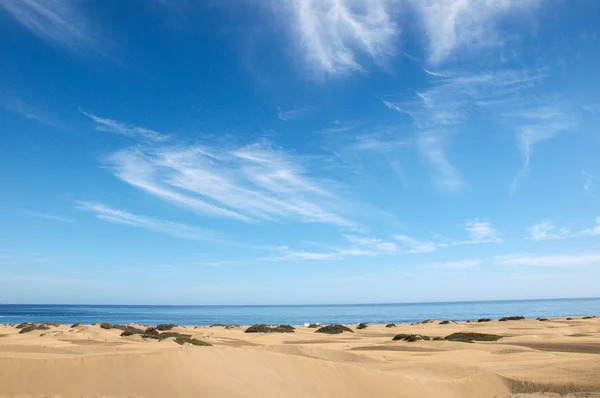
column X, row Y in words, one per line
column 471, row 337
column 55, row 324
column 24, row 325
column 232, row 326
column 262, row 328
column 447, row 323
column 438, row 339
column 428, row 321
column 542, row 319
column 28, row 328
column 181, row 340
column 165, row 326
column 484, row 320
column 77, row 324
column 31, row 327
column 390, row 325
column 334, row 329
column 569, row 319
column 588, row 317
column 362, row 325
column 105, row 325
column 511, row 318
column 410, row 338
column 215, row 325
column 313, row 326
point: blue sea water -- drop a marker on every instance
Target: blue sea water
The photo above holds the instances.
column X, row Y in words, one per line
column 296, row 314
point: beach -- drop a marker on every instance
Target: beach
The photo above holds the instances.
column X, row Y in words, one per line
column 555, row 357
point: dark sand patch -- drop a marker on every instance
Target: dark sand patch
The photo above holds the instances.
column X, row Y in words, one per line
column 583, row 348
column 395, row 348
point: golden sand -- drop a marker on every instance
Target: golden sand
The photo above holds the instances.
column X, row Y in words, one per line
column 535, row 359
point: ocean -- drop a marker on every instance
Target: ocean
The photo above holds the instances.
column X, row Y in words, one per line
column 296, row 314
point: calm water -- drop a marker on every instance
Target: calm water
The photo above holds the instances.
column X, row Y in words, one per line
column 296, row 315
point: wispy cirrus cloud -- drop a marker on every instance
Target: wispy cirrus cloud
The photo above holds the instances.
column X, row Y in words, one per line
column 175, row 229
column 478, row 231
column 113, row 126
column 293, row 114
column 566, row 260
column 463, row 264
column 249, row 183
column 544, row 231
column 588, row 182
column 47, row 216
column 453, row 100
column 60, row 22
column 453, row 26
column 536, row 123
column 446, row 106
column 335, row 35
column 412, row 245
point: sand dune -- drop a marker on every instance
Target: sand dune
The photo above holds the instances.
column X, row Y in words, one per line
column 535, row 359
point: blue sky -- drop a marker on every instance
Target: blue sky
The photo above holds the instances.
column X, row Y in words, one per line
column 254, row 152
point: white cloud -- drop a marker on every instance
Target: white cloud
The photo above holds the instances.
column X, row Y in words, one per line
column 179, row 230
column 249, row 184
column 558, row 261
column 48, row 216
column 334, row 34
column 463, row 264
column 61, row 22
column 373, row 244
column 128, row 130
column 415, row 246
column 588, row 182
column 595, row 230
column 293, row 114
column 482, row 232
column 458, row 25
column 543, row 231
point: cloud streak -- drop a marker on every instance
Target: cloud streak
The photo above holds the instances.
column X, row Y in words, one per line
column 171, row 228
column 113, row 126
column 60, row 22
column 48, row 216
column 588, row 182
column 558, row 261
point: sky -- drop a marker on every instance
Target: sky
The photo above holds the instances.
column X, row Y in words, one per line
column 298, row 152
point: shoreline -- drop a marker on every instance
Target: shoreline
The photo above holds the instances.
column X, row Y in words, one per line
column 425, row 321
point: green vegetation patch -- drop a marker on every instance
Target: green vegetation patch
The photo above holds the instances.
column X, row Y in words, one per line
column 262, row 328
column 77, row 324
column 334, row 329
column 181, row 340
column 471, row 337
column 511, row 318
column 447, row 323
column 390, row 325
column 362, row 325
column 410, row 338
column 165, row 326
column 484, row 320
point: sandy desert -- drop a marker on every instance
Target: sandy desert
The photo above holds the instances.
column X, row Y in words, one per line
column 558, row 357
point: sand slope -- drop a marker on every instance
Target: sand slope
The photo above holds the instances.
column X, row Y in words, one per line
column 557, row 356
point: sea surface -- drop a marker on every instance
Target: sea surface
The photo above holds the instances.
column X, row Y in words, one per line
column 295, row 314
